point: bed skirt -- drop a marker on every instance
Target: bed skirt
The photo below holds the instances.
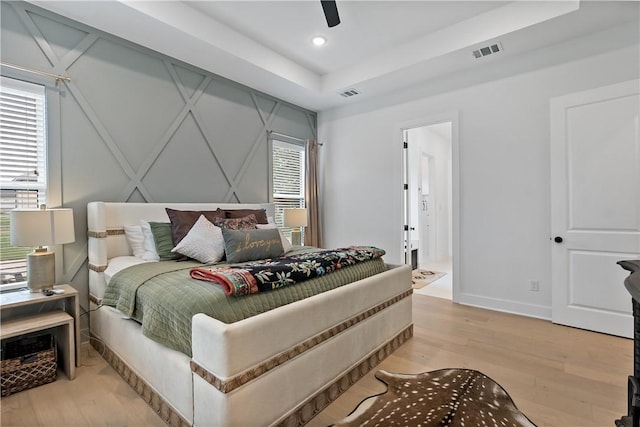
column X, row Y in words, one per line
column 298, row 417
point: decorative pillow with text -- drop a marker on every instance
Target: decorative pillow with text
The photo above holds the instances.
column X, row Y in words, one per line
column 286, row 244
column 252, row 245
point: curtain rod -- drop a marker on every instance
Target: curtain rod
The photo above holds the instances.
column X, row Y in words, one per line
column 270, row 132
column 58, row 77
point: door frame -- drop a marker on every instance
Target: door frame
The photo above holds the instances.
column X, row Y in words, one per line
column 428, row 120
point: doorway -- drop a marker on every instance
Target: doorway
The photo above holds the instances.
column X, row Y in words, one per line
column 429, row 238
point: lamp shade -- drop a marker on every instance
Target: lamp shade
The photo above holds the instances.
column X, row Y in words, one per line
column 296, row 217
column 41, row 227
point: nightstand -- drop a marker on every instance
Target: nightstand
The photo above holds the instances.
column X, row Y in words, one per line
column 23, row 312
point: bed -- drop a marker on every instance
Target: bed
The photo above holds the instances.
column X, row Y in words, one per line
column 253, row 371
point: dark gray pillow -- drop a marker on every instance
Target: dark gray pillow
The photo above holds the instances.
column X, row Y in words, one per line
column 252, row 245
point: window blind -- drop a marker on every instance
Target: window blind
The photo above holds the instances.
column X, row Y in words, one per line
column 22, row 164
column 288, row 162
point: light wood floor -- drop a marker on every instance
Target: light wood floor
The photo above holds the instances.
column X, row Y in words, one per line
column 97, row 397
column 558, row 376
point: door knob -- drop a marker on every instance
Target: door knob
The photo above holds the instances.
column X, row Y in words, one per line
column 557, row 239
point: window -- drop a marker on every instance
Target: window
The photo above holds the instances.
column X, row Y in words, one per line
column 288, row 172
column 23, row 174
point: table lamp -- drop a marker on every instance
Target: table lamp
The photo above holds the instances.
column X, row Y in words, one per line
column 41, row 227
column 296, row 219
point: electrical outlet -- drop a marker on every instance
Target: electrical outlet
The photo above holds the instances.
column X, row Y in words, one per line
column 534, row 286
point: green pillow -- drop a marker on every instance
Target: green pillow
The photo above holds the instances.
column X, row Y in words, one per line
column 252, row 245
column 164, row 240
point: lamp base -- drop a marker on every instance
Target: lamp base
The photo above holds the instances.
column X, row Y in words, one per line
column 41, row 270
column 296, row 237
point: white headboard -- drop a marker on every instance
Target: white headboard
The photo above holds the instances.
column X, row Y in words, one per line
column 106, row 221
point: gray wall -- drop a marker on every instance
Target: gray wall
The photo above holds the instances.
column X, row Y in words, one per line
column 134, row 125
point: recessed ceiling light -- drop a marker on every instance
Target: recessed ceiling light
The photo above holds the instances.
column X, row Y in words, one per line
column 318, row 41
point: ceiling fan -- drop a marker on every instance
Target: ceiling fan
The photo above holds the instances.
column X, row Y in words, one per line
column 330, row 13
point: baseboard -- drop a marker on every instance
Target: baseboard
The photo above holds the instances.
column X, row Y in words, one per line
column 507, row 306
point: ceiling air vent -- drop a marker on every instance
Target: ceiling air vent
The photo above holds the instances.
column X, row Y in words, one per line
column 349, row 92
column 485, row 51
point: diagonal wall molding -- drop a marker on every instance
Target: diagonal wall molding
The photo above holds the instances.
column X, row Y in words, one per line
column 259, row 139
column 191, row 100
column 136, row 125
column 136, row 182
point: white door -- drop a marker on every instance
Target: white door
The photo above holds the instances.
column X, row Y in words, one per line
column 595, row 206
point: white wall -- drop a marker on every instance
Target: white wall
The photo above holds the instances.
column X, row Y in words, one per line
column 504, row 176
column 436, row 142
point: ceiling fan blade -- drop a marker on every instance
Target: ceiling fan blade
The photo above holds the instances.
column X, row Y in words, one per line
column 330, row 12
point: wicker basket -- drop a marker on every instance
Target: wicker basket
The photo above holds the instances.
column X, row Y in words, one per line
column 27, row 362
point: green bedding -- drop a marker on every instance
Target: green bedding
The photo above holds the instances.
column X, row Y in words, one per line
column 163, row 298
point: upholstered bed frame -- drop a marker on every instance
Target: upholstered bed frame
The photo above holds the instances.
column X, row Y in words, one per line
column 257, row 371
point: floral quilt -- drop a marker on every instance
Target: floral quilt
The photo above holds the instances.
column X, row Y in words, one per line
column 267, row 274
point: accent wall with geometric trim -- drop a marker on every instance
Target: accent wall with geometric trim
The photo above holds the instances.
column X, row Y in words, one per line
column 135, row 125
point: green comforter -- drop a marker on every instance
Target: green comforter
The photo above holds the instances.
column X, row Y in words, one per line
column 163, row 298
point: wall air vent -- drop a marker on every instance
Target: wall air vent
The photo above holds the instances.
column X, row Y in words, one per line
column 488, row 50
column 349, row 92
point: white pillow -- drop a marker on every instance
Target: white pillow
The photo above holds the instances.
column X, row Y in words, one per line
column 286, row 244
column 136, row 240
column 204, row 242
column 150, row 250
